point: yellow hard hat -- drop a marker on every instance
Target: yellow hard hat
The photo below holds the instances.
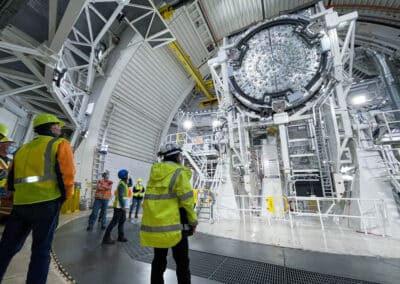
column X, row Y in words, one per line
column 45, row 118
column 139, row 179
column 3, row 129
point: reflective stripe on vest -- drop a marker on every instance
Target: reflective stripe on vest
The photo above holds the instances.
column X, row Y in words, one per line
column 34, row 171
column 170, row 194
column 48, row 175
column 101, row 192
column 126, row 197
column 139, row 193
column 178, row 227
column 4, row 166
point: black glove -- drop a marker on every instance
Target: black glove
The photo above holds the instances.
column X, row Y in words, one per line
column 192, row 230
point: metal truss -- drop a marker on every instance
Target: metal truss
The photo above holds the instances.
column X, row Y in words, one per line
column 343, row 55
column 62, row 70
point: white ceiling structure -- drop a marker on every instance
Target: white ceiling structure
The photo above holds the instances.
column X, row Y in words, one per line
column 116, row 57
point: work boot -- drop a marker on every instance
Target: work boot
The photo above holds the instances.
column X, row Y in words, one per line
column 136, row 216
column 89, row 228
column 130, row 215
column 108, row 241
column 122, row 240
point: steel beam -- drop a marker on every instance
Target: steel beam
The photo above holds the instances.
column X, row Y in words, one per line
column 9, row 59
column 52, row 19
column 32, row 65
column 19, row 48
column 11, row 92
column 71, row 14
column 10, row 73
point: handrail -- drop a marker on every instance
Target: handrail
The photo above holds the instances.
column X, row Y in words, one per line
column 369, row 211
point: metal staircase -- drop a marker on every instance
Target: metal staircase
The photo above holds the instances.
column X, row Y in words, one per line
column 206, row 171
column 322, row 152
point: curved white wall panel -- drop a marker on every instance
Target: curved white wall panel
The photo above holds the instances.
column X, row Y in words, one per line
column 145, row 99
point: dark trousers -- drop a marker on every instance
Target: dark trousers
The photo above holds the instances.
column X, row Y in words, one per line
column 118, row 218
column 180, row 252
column 42, row 220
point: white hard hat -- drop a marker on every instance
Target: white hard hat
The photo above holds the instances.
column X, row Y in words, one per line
column 169, row 149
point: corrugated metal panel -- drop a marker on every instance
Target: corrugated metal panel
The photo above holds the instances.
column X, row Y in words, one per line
column 385, row 3
column 275, row 8
column 187, row 36
column 227, row 16
column 147, row 93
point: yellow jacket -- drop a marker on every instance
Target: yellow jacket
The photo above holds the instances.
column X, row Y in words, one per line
column 168, row 190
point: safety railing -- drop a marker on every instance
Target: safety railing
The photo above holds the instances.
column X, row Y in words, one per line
column 388, row 126
column 369, row 216
column 366, row 215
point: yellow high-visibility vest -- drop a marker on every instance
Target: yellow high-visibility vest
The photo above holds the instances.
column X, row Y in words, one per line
column 126, row 196
column 35, row 177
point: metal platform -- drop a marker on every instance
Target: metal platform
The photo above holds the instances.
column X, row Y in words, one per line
column 213, row 260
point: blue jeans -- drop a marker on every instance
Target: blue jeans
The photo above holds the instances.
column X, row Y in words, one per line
column 42, row 220
column 135, row 203
column 99, row 204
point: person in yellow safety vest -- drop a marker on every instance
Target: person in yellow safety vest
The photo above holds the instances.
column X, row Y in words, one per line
column 138, row 193
column 42, row 178
column 6, row 148
column 121, row 202
column 102, row 196
column 168, row 214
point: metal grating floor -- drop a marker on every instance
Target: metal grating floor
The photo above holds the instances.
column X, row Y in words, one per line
column 236, row 271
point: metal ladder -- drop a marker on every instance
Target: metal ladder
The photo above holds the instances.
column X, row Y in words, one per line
column 196, row 16
column 322, row 154
column 100, row 158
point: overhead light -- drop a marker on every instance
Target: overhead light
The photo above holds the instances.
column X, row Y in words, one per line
column 187, row 124
column 359, row 100
column 216, row 123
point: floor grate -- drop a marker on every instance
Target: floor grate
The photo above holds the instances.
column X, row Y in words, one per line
column 234, row 270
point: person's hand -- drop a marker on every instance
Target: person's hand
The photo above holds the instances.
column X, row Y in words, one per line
column 192, row 230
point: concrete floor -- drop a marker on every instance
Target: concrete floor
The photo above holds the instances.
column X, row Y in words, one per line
column 16, row 272
column 306, row 236
column 213, row 259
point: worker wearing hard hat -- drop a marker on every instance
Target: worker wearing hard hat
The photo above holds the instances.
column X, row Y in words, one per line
column 138, row 193
column 42, row 177
column 6, row 148
column 168, row 214
column 102, row 196
column 121, row 202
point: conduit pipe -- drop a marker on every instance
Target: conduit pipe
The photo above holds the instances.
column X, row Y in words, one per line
column 391, row 83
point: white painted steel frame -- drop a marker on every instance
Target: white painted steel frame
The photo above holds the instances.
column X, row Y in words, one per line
column 72, row 94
